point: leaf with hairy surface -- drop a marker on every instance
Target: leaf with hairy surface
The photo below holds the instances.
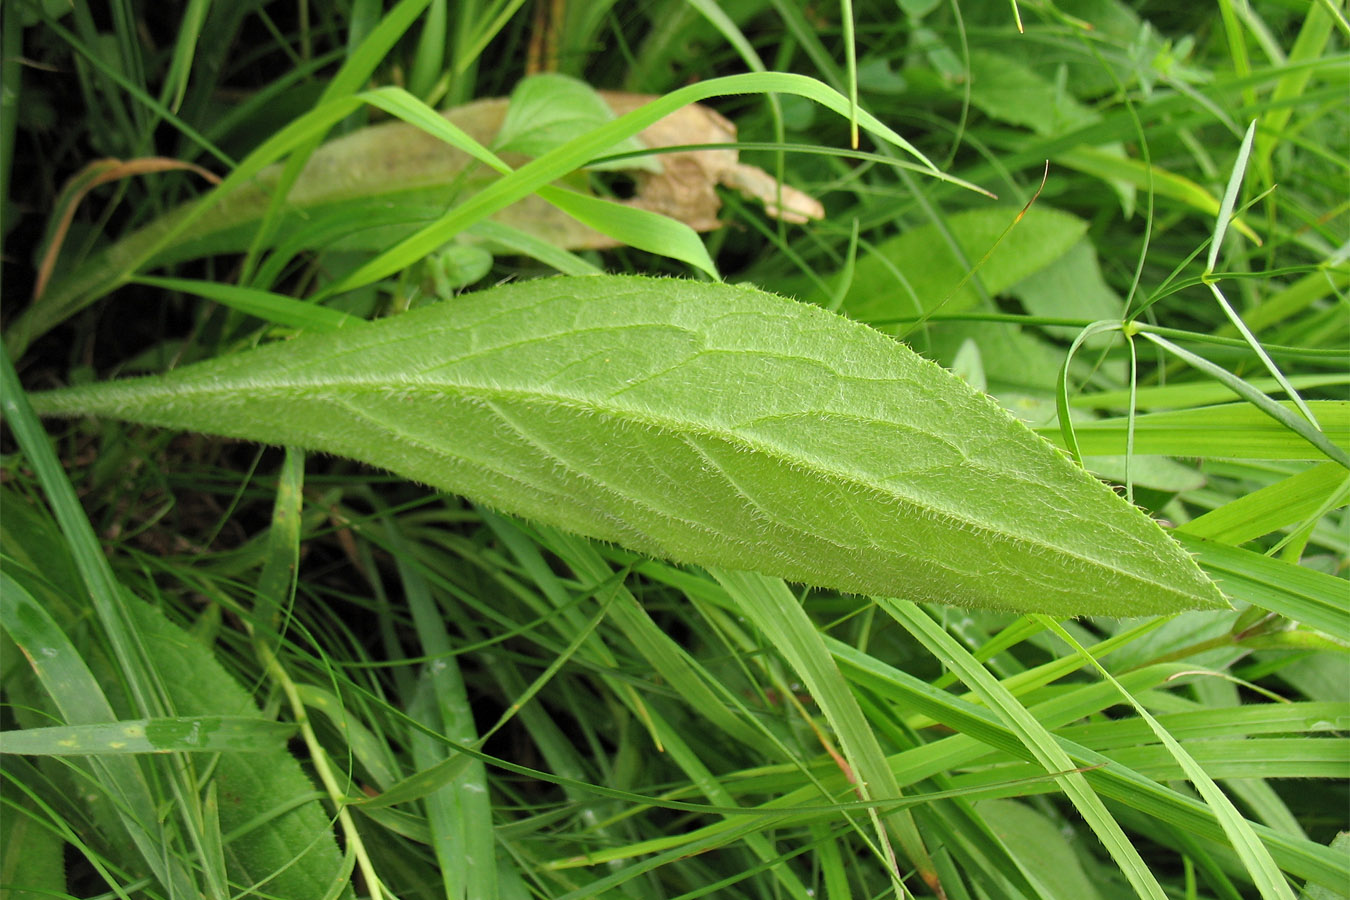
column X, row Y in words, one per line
column 701, row 422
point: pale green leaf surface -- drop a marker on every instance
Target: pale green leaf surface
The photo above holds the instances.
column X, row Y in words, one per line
column 704, row 423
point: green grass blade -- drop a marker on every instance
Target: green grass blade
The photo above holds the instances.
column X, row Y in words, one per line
column 1310, row 494
column 638, row 228
column 459, row 813
column 1294, row 855
column 265, row 305
column 188, row 734
column 776, row 613
column 1227, row 431
column 576, row 153
column 1250, row 850
column 1306, row 428
column 77, row 694
column 1230, row 196
column 356, row 69
column 1295, row 592
column 1037, row 740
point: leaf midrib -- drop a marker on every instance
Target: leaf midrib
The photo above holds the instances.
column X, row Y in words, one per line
column 342, row 386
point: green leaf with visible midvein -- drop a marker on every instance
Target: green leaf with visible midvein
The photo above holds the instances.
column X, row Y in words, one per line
column 701, row 422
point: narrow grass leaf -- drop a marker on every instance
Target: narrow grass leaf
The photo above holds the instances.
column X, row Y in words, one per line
column 672, row 662
column 1295, row 855
column 459, row 814
column 652, row 413
column 1039, row 741
column 355, row 70
column 1259, row 350
column 1230, row 196
column 1067, row 433
column 1265, row 874
column 1227, row 431
column 1101, row 163
column 1306, row 428
column 429, row 61
column 779, row 616
column 1259, row 758
column 1306, row 495
column 576, row 153
column 270, row 307
column 76, row 693
column 1200, row 393
column 189, row 734
column 1296, row 592
column 639, row 228
column 516, row 240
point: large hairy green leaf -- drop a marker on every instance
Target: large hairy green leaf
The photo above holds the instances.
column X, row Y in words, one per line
column 701, row 422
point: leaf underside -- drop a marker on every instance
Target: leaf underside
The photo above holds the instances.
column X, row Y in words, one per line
column 705, row 423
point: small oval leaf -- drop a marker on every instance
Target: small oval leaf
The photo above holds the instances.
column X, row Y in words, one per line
column 701, row 422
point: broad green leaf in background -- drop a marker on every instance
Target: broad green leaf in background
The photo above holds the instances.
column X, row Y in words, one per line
column 914, row 273
column 1011, row 91
column 276, row 829
column 705, row 423
column 548, row 110
column 1044, row 851
column 293, row 849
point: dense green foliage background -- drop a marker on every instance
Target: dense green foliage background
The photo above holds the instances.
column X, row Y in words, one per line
column 231, row 670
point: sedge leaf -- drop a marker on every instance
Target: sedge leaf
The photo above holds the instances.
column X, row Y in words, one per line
column 701, row 422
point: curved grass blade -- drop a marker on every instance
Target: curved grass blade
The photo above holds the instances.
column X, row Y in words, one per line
column 1306, row 427
column 1036, row 738
column 1250, row 850
column 576, row 153
column 772, row 608
column 265, row 305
